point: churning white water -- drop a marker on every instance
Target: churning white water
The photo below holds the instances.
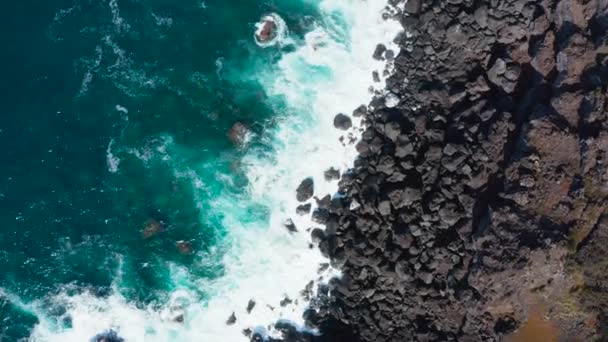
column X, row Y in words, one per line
column 330, row 72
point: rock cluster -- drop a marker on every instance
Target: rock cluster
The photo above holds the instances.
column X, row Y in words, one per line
column 483, row 190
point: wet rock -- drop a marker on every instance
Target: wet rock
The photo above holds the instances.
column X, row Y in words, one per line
column 332, row 174
column 379, row 51
column 267, row 32
column 231, row 320
column 324, row 202
column 285, row 301
column 250, row 305
column 342, row 122
column 303, row 209
column 360, row 111
column 305, row 190
column 291, row 227
column 108, row 336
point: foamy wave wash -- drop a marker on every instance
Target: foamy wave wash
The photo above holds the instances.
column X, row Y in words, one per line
column 329, row 73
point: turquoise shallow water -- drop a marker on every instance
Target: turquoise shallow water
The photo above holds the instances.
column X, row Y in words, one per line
column 111, row 111
column 125, row 205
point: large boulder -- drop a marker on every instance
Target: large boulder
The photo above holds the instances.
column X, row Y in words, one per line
column 305, row 190
column 343, row 122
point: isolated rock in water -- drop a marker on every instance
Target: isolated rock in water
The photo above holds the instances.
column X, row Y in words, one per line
column 184, row 247
column 268, row 31
column 305, row 190
column 231, row 320
column 238, row 133
column 291, row 227
column 286, row 301
column 152, row 228
column 250, row 305
column 108, row 336
column 343, row 122
column 303, row 209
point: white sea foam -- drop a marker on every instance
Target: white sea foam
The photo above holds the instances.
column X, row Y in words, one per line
column 121, row 109
column 330, row 73
column 91, row 66
column 111, row 160
column 119, row 22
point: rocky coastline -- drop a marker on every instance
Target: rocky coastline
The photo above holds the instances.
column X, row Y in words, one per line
column 477, row 209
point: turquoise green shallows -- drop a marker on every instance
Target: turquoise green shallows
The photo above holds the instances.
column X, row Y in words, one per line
column 115, row 116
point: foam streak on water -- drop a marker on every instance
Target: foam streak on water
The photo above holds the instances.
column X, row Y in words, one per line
column 330, row 72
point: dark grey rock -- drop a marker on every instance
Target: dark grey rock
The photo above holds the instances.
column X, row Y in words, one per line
column 250, row 305
column 231, row 320
column 342, row 121
column 303, row 209
column 305, row 190
column 291, row 227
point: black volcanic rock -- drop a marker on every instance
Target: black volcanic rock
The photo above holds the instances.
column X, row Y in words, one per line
column 108, row 336
column 342, row 121
column 483, row 188
column 332, row 174
column 305, row 190
column 291, row 227
column 231, row 320
column 250, row 305
column 303, row 209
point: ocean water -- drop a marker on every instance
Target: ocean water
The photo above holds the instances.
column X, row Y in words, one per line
column 124, row 204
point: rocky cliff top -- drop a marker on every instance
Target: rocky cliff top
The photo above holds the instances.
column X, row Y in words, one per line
column 479, row 200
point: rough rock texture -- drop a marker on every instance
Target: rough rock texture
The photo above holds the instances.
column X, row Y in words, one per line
column 481, row 197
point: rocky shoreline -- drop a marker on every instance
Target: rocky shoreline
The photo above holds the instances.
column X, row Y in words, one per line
column 479, row 200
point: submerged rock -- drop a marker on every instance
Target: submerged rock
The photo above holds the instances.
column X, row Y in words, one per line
column 152, row 228
column 238, row 133
column 285, row 301
column 184, row 247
